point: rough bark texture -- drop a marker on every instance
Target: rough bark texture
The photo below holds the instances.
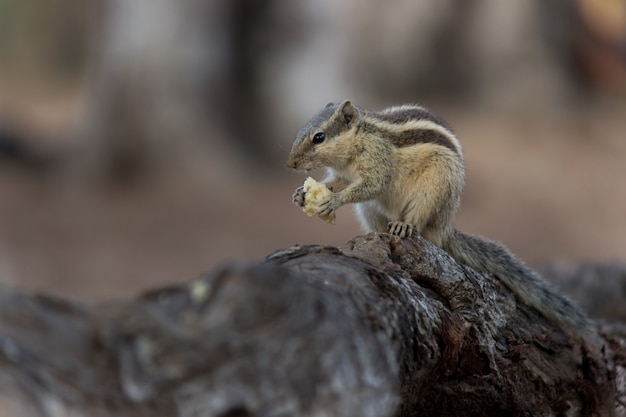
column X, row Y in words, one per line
column 378, row 327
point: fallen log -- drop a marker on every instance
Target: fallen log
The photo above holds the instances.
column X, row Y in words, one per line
column 381, row 326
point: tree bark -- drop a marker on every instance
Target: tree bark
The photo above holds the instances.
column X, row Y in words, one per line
column 381, row 326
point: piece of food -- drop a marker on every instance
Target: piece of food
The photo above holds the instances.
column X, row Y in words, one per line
column 316, row 193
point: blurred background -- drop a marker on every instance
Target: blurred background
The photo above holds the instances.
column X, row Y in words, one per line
column 142, row 142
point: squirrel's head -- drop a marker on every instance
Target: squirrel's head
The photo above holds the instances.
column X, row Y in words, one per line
column 325, row 140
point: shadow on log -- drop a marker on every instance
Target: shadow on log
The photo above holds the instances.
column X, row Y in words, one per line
column 378, row 327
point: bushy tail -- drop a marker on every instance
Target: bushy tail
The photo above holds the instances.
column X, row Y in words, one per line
column 486, row 256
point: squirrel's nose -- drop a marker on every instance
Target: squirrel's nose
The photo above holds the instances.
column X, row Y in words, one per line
column 291, row 164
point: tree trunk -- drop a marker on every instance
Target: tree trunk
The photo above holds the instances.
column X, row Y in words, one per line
column 381, row 326
column 174, row 79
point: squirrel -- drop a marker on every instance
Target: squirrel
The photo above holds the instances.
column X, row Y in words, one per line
column 403, row 167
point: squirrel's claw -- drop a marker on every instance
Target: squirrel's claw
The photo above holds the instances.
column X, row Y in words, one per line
column 401, row 229
column 327, row 208
column 298, row 197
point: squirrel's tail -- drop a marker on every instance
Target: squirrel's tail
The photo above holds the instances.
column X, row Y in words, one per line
column 489, row 257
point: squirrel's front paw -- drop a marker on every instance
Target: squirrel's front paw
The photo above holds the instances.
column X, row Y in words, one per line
column 327, row 208
column 401, row 229
column 298, row 197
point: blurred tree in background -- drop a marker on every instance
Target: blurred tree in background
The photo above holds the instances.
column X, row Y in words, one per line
column 161, row 77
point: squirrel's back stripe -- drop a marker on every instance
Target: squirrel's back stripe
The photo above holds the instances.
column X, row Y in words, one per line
column 424, row 135
column 412, row 125
column 404, row 114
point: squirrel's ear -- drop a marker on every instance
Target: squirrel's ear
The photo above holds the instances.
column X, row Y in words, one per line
column 349, row 112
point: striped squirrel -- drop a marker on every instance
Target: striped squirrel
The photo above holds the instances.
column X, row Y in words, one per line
column 403, row 167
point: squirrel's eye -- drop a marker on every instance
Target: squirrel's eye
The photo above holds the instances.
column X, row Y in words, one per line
column 319, row 138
